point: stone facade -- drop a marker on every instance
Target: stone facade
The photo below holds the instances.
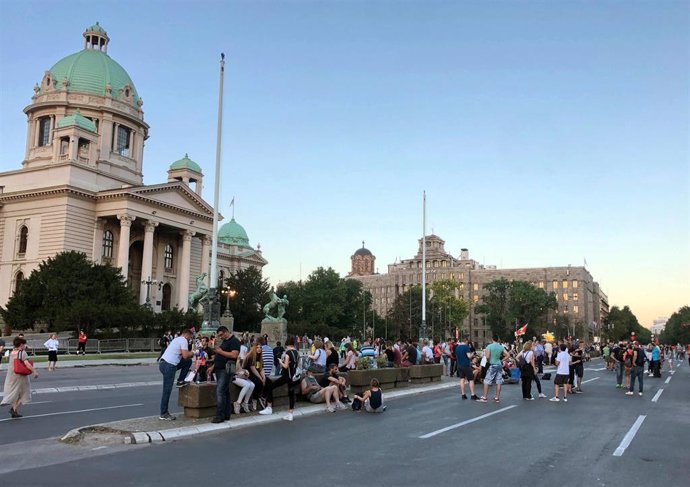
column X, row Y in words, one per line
column 579, row 296
column 362, row 262
column 81, row 188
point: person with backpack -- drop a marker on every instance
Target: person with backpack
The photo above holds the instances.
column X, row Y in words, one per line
column 617, row 359
column 527, row 368
column 638, row 360
column 290, row 374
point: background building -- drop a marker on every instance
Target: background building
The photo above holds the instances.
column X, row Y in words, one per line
column 579, row 297
column 81, row 188
column 659, row 325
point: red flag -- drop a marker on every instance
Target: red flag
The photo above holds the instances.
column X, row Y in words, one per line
column 521, row 331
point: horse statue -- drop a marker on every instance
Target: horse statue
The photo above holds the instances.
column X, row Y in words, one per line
column 279, row 305
column 201, row 291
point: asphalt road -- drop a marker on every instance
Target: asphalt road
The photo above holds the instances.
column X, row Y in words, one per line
column 70, row 398
column 429, row 438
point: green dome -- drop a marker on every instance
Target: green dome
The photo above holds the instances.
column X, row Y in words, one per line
column 91, row 71
column 186, row 163
column 79, row 120
column 232, row 233
column 97, row 29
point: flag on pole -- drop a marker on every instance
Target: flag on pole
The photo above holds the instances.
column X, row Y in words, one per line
column 521, row 331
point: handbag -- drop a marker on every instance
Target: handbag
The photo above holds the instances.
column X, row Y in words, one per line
column 20, row 367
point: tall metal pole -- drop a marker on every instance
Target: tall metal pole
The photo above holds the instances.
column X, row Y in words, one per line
column 423, row 330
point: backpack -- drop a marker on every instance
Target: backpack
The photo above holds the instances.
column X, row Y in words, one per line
column 295, row 372
column 641, row 358
column 524, row 366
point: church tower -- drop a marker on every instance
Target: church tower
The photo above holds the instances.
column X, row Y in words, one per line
column 362, row 262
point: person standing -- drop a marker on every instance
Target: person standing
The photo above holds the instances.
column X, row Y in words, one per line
column 494, row 353
column 465, row 371
column 527, row 370
column 52, row 346
column 562, row 373
column 578, row 366
column 267, row 357
column 637, row 371
column 656, row 360
column 81, row 347
column 539, row 356
column 17, row 389
column 176, row 357
column 288, row 365
column 226, row 354
column 617, row 363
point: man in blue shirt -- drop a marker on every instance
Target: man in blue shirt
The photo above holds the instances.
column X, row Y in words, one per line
column 656, row 369
column 465, row 372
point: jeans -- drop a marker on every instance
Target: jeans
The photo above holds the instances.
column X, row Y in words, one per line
column 526, row 386
column 168, row 371
column 638, row 372
column 223, row 408
column 619, row 373
column 540, row 364
column 538, row 382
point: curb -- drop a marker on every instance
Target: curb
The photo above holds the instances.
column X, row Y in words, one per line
column 158, row 436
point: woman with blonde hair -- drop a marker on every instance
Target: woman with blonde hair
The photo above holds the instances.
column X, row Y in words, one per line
column 527, row 369
column 17, row 387
column 252, row 363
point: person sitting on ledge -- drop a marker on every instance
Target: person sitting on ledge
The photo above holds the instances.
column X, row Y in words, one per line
column 372, row 399
column 316, row 394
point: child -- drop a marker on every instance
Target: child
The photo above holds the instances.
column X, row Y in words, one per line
column 372, row 398
column 562, row 373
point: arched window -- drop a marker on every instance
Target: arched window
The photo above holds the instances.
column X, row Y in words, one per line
column 18, row 281
column 168, row 257
column 43, row 131
column 167, row 293
column 23, row 239
column 108, row 244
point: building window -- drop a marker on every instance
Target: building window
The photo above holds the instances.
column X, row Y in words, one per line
column 43, row 131
column 574, row 284
column 540, row 284
column 565, row 309
column 475, row 298
column 108, row 244
column 576, row 309
column 565, row 296
column 18, row 281
column 554, row 284
column 23, row 239
column 574, row 296
column 565, row 284
column 168, row 257
column 475, row 286
column 461, row 276
column 123, row 136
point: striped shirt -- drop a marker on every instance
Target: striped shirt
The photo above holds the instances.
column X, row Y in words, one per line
column 267, row 359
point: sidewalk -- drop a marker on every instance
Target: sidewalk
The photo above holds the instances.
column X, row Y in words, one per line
column 150, row 429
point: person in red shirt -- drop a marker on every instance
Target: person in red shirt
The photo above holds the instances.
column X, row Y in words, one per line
column 82, row 343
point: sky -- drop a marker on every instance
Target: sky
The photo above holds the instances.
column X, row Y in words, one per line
column 544, row 133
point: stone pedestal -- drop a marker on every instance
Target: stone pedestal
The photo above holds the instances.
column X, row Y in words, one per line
column 276, row 331
column 228, row 320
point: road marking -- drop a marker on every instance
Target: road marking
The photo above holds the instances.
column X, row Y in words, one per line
column 463, row 423
column 589, row 380
column 668, row 380
column 657, row 395
column 627, row 439
column 74, row 412
column 597, row 370
column 672, row 372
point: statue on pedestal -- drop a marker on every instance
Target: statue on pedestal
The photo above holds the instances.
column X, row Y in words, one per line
column 201, row 291
column 279, row 305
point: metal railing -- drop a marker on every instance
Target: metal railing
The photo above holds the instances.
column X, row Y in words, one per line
column 115, row 345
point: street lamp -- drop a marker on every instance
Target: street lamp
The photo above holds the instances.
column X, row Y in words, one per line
column 229, row 293
column 148, row 283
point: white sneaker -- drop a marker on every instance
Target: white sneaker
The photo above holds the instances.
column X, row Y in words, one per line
column 542, row 396
column 268, row 410
column 565, row 399
column 629, row 393
column 554, row 399
column 288, row 417
column 340, row 405
column 639, row 393
column 330, row 409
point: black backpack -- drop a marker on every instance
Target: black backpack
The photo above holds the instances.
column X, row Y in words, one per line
column 641, row 358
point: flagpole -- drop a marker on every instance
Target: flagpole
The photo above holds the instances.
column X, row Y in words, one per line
column 423, row 328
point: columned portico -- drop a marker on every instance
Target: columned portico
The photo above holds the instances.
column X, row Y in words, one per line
column 183, row 274
column 147, row 258
column 123, row 245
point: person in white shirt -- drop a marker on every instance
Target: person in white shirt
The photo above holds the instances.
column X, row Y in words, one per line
column 562, row 373
column 176, row 357
column 52, row 346
column 428, row 353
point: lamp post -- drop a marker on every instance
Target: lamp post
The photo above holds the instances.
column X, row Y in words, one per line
column 148, row 283
column 229, row 293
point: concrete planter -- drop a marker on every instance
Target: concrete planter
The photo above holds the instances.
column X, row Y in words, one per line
column 360, row 380
column 421, row 374
column 402, row 378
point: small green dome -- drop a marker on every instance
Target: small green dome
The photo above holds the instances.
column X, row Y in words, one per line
column 186, row 163
column 232, row 233
column 92, row 71
column 79, row 120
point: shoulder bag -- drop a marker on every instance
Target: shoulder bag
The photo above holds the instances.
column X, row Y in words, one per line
column 20, row 367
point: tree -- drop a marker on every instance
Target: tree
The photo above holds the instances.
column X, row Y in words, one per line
column 677, row 328
column 68, row 292
column 621, row 323
column 509, row 304
column 251, row 293
column 450, row 309
column 405, row 316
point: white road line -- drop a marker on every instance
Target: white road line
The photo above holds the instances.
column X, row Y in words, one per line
column 657, row 395
column 74, row 412
column 589, row 380
column 597, row 370
column 627, row 439
column 463, row 423
column 668, row 380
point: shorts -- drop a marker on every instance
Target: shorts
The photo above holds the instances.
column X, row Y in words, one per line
column 494, row 375
column 580, row 371
column 466, row 372
column 560, row 380
column 52, row 356
column 369, row 409
column 317, row 397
